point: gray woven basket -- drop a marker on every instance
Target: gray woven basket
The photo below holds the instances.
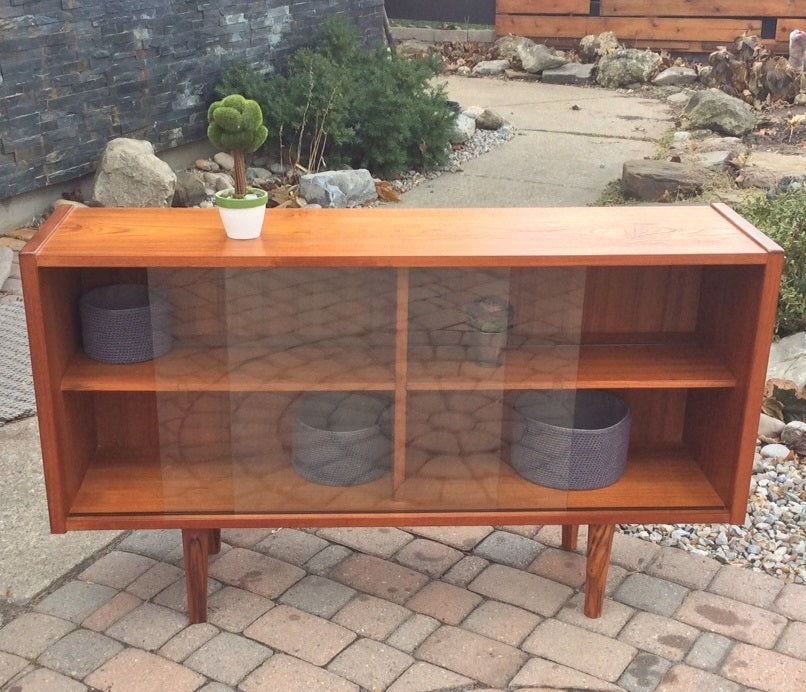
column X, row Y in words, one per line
column 342, row 438
column 571, row 440
column 121, row 323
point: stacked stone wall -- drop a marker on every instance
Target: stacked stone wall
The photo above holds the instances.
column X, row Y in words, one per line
column 76, row 73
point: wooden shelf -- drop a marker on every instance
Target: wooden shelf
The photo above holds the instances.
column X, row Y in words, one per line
column 123, row 482
column 240, row 368
column 576, row 367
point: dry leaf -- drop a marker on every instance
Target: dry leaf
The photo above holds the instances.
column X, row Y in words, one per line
column 386, row 192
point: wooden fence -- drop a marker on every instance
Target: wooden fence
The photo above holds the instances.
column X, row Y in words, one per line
column 685, row 26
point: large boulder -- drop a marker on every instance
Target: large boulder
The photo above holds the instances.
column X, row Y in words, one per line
column 715, row 110
column 676, row 76
column 464, row 127
column 653, row 181
column 490, row 68
column 190, row 190
column 592, row 47
column 338, row 189
column 130, row 175
column 627, row 66
column 507, row 47
column 537, row 57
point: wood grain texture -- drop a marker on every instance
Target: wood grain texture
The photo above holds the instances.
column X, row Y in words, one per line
column 592, row 236
column 600, row 544
column 570, row 536
column 700, row 8
column 196, row 544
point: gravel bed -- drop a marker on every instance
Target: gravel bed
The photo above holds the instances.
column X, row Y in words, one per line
column 773, row 537
column 480, row 143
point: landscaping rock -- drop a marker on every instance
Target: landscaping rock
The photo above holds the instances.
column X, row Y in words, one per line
column 521, row 75
column 570, row 73
column 679, row 97
column 715, row 110
column 6, row 259
column 490, row 68
column 538, row 57
column 794, row 436
column 61, row 202
column 225, row 160
column 129, row 175
column 338, row 189
column 489, row 120
column 769, row 426
column 775, row 451
column 464, row 128
column 508, row 47
column 797, row 50
column 627, row 66
column 676, row 76
column 766, row 169
column 190, row 191
column 652, row 181
column 788, row 359
column 715, row 160
column 412, row 48
column 592, row 47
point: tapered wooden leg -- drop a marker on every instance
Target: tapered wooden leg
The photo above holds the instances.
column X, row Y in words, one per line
column 570, row 536
column 215, row 541
column 196, row 545
column 600, row 543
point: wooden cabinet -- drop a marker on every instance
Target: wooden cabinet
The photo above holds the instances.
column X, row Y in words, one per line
column 670, row 308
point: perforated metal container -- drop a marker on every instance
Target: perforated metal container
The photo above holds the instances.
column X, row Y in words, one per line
column 569, row 439
column 122, row 323
column 342, row 438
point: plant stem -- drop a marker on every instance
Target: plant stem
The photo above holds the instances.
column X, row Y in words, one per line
column 240, row 173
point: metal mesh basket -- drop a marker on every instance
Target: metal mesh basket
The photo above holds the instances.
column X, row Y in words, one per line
column 571, row 440
column 121, row 323
column 342, row 438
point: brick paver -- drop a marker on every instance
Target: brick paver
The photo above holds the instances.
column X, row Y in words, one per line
column 156, row 544
column 155, row 579
column 731, row 618
column 234, row 609
column 148, row 626
column 109, row 613
column 228, row 658
column 632, row 553
column 382, row 542
column 577, row 648
column 79, row 653
column 650, row 593
column 255, row 572
column 10, row 665
column 684, row 568
column 76, row 600
column 300, row 634
column 292, row 545
column 370, row 664
column 644, row 672
column 327, row 559
column 542, row 674
column 508, row 548
column 445, row 602
column 764, row 670
column 472, row 655
column 117, row 569
column 522, row 589
column 371, row 617
column 31, row 633
column 792, row 602
column 429, row 557
column 318, row 596
column 709, row 651
column 412, row 632
column 747, row 586
column 502, row 622
column 793, row 641
column 614, row 616
column 289, row 674
column 660, row 635
column 133, row 670
column 245, row 538
column 682, row 678
column 378, row 577
column 179, row 647
column 425, row 676
column 466, row 570
column 561, row 566
column 459, row 537
column 44, row 679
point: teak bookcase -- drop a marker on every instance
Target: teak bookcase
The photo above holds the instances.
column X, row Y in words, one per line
column 669, row 307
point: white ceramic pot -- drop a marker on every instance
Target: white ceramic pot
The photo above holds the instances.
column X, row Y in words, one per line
column 242, row 218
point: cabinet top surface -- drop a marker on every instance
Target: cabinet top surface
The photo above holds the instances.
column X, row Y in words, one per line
column 387, row 237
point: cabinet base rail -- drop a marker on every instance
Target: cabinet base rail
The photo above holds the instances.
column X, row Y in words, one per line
column 199, row 544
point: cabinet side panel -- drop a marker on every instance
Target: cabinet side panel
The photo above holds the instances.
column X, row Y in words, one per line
column 65, row 433
column 736, row 317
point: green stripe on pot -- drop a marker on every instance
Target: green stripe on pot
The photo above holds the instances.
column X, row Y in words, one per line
column 255, row 197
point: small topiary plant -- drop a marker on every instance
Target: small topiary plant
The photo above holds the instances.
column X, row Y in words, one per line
column 236, row 125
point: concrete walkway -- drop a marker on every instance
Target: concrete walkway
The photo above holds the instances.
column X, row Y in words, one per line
column 399, row 609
